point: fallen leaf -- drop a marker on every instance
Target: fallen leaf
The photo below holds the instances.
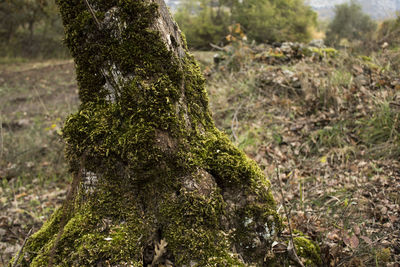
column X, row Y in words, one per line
column 366, row 239
column 21, row 195
column 346, row 239
column 354, row 242
column 356, row 229
column 333, row 236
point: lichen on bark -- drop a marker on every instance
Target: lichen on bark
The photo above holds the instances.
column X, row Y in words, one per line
column 151, row 166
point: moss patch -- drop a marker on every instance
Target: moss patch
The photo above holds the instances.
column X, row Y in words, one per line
column 324, row 52
column 308, row 251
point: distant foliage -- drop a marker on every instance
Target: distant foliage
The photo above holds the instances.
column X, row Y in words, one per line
column 275, row 20
column 265, row 21
column 389, row 31
column 30, row 28
column 203, row 22
column 350, row 24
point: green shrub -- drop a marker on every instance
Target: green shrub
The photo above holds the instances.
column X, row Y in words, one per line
column 202, row 23
column 350, row 24
column 268, row 21
column 206, row 21
column 389, row 31
column 30, row 28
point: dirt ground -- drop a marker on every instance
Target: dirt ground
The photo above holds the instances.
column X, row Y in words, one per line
column 35, row 99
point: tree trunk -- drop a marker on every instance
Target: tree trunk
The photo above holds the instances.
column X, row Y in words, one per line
column 155, row 181
column 31, row 23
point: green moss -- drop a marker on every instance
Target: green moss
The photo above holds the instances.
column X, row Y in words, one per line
column 308, row 251
column 366, row 58
column 324, row 52
column 87, row 240
column 276, row 55
column 41, row 241
column 47, row 232
column 117, row 245
column 193, row 229
column 383, row 255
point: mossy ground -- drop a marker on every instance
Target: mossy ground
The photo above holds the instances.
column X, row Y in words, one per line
column 308, row 251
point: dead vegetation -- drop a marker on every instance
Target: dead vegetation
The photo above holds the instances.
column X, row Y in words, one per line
column 331, row 126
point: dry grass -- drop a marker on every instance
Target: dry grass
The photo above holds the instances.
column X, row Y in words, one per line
column 332, row 127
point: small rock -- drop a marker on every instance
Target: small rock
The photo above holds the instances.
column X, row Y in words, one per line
column 287, row 47
column 2, row 232
column 276, row 44
column 319, row 43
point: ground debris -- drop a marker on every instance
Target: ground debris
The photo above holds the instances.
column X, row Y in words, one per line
column 332, row 128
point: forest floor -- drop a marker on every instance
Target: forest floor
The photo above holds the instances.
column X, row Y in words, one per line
column 327, row 126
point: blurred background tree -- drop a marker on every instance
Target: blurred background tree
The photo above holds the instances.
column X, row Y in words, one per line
column 30, row 28
column 350, row 24
column 203, row 22
column 389, row 31
column 275, row 20
column 266, row 21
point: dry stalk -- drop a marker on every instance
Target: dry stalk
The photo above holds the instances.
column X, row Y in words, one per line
column 20, row 250
column 92, row 12
column 1, row 139
column 235, row 123
column 291, row 248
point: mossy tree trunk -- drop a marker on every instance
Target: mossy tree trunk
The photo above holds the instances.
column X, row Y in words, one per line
column 155, row 181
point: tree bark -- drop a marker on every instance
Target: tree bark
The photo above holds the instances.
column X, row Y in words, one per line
column 155, row 181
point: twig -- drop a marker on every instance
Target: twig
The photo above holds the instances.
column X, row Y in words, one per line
column 20, row 250
column 1, row 139
column 217, row 47
column 41, row 101
column 93, row 14
column 394, row 105
column 234, row 124
column 291, row 248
